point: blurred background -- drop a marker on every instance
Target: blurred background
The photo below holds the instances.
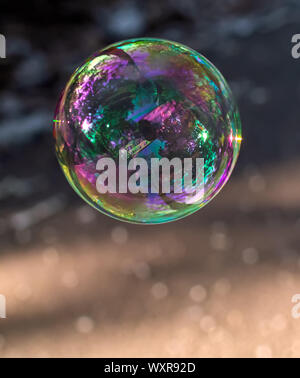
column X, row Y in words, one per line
column 216, row 284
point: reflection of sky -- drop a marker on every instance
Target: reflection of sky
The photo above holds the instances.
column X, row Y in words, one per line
column 153, row 150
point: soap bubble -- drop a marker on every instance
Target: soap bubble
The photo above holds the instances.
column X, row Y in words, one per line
column 147, row 131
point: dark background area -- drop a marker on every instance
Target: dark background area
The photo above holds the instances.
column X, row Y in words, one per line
column 246, row 240
column 249, row 41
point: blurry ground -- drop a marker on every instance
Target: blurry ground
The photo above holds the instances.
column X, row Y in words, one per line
column 218, row 283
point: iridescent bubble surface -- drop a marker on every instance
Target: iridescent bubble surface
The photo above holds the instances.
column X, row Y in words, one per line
column 155, row 99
